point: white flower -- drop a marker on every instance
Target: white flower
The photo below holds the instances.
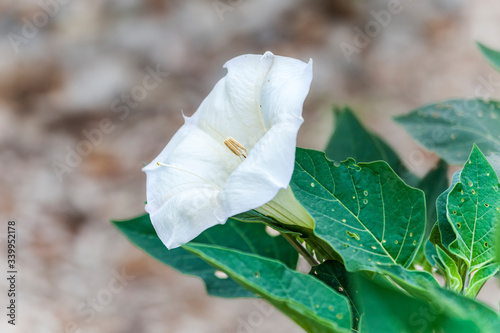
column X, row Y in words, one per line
column 235, row 153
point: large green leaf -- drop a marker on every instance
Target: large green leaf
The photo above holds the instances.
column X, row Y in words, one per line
column 364, row 211
column 450, row 128
column 306, row 300
column 389, row 310
column 351, row 139
column 473, row 210
column 491, row 55
column 250, row 237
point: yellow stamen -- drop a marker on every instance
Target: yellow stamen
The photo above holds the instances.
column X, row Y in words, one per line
column 237, row 148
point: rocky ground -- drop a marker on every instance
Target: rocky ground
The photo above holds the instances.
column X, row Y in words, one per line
column 66, row 70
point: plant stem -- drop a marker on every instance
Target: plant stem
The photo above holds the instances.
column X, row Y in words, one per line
column 467, row 281
column 302, row 251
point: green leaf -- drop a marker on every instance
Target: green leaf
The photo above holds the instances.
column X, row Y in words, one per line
column 306, row 300
column 334, row 274
column 450, row 268
column 473, row 210
column 479, row 279
column 446, row 231
column 497, row 245
column 351, row 139
column 390, row 310
column 414, row 282
column 486, row 320
column 491, row 55
column 254, row 216
column 449, row 265
column 365, row 212
column 450, row 128
column 437, row 247
column 433, row 184
column 242, row 236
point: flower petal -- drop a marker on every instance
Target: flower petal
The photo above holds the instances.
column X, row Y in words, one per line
column 267, row 169
column 284, row 90
column 269, row 166
column 201, row 182
column 232, row 109
column 185, row 215
column 182, row 193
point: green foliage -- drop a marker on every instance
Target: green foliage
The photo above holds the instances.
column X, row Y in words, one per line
column 433, row 184
column 247, row 237
column 437, row 247
column 479, row 279
column 473, row 210
column 450, row 128
column 468, row 217
column 306, row 300
column 351, row 139
column 334, row 274
column 369, row 227
column 491, row 55
column 389, row 310
column 364, row 211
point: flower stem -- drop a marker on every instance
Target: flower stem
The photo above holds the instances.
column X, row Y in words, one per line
column 302, row 251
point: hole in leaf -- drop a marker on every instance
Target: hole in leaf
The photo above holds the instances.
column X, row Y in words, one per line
column 220, row 275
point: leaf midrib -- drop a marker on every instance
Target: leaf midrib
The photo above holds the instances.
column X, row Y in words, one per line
column 333, row 196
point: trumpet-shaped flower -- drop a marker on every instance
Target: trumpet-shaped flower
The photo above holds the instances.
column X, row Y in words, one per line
column 236, row 152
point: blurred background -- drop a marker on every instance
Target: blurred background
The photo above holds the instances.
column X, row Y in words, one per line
column 89, row 90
